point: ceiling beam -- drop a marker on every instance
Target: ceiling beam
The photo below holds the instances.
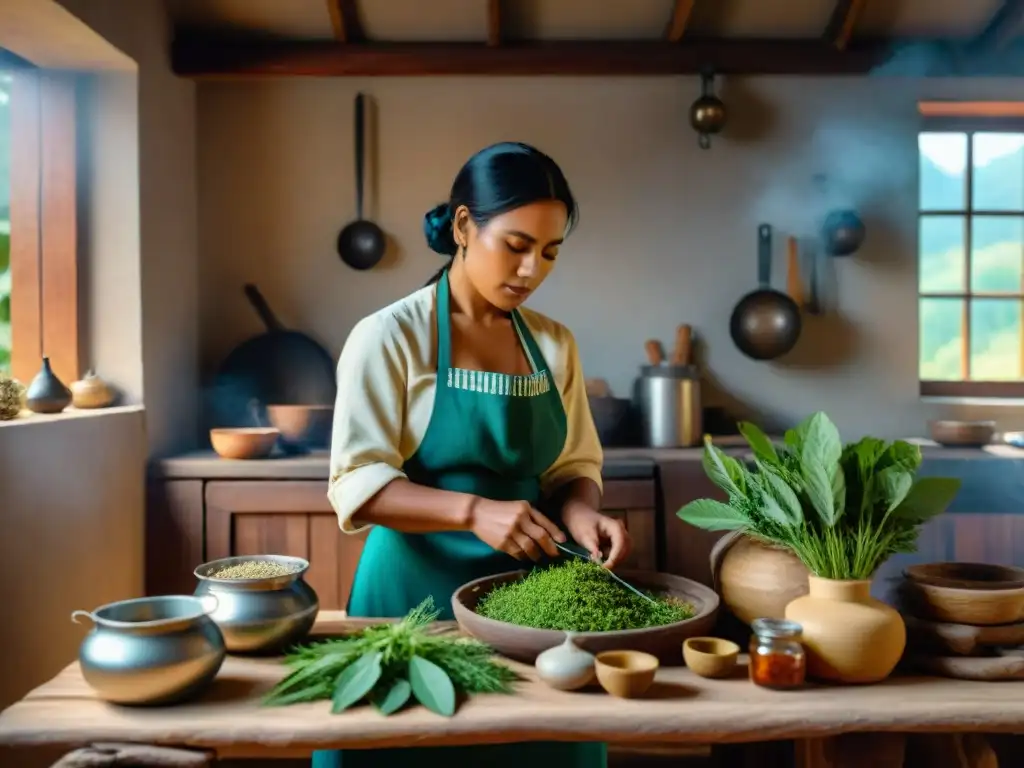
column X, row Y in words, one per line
column 345, row 21
column 680, row 18
column 1004, row 25
column 199, row 56
column 843, row 21
column 494, row 22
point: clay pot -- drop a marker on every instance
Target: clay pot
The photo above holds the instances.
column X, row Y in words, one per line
column 756, row 581
column 91, row 392
column 849, row 636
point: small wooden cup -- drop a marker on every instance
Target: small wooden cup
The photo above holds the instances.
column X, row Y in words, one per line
column 710, row 657
column 626, row 674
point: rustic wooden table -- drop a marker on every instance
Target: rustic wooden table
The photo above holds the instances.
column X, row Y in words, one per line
column 681, row 708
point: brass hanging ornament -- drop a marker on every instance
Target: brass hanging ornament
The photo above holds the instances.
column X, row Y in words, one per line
column 707, row 113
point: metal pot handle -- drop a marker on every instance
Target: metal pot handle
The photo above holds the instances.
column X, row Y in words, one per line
column 76, row 615
column 205, row 599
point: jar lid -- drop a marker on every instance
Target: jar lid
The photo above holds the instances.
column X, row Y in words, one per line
column 776, row 628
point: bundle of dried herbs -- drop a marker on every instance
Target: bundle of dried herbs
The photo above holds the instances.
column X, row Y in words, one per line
column 578, row 596
column 843, row 509
column 389, row 664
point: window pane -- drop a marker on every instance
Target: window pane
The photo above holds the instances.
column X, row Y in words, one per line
column 942, row 333
column 942, row 160
column 998, row 163
column 997, row 250
column 941, row 245
column 5, row 223
column 995, row 339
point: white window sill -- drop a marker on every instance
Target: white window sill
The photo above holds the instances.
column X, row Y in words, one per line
column 28, row 419
column 995, row 402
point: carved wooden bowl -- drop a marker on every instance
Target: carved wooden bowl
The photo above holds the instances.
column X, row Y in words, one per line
column 525, row 643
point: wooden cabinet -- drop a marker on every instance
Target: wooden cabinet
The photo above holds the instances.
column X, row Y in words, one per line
column 194, row 521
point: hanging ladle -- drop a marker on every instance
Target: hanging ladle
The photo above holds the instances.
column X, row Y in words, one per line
column 707, row 113
column 361, row 243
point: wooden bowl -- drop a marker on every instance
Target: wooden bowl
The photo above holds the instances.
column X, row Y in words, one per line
column 303, row 426
column 525, row 643
column 966, row 575
column 962, row 433
column 977, row 607
column 710, row 656
column 626, row 674
column 243, row 442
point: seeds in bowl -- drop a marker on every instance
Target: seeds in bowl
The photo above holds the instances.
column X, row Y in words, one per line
column 254, row 569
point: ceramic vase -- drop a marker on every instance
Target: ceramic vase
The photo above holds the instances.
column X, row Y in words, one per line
column 756, row 581
column 47, row 393
column 849, row 636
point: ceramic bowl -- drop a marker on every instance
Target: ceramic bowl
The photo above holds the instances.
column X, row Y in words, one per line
column 626, row 674
column 710, row 656
column 244, row 442
column 966, row 575
column 977, row 607
column 525, row 643
column 302, row 426
column 964, row 434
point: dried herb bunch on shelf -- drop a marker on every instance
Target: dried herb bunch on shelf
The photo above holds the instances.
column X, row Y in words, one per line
column 843, row 510
column 391, row 664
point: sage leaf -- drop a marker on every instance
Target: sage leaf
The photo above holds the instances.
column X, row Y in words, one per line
column 759, row 443
column 391, row 696
column 928, row 497
column 432, row 686
column 819, row 490
column 724, row 471
column 893, row 484
column 356, row 681
column 787, row 499
column 822, row 444
column 712, row 515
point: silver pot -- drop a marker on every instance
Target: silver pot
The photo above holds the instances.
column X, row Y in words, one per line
column 151, row 650
column 260, row 615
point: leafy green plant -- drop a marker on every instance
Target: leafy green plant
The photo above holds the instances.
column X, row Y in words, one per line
column 843, row 510
column 391, row 664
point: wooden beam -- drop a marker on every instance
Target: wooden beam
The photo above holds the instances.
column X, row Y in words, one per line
column 494, row 23
column 1003, row 27
column 843, row 21
column 680, row 18
column 201, row 57
column 345, row 21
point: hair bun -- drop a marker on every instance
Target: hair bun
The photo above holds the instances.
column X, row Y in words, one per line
column 437, row 226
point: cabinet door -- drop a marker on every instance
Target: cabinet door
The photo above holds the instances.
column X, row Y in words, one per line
column 284, row 518
column 632, row 501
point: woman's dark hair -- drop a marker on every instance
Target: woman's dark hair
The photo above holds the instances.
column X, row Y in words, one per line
column 495, row 180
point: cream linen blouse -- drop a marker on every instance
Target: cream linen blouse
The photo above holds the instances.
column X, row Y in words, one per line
column 386, row 380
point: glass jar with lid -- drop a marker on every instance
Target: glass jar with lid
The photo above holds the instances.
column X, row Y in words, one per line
column 777, row 658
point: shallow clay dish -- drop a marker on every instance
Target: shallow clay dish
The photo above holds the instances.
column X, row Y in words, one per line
column 626, row 674
column 967, row 575
column 965, row 434
column 710, row 656
column 525, row 643
column 243, row 442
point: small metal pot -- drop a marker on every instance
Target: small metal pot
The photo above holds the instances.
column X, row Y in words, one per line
column 151, row 650
column 260, row 615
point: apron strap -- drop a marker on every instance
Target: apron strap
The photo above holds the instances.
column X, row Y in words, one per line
column 444, row 329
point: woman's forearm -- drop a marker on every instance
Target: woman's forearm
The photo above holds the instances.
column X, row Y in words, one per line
column 411, row 508
column 581, row 492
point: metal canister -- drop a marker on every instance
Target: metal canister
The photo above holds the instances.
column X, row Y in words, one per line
column 670, row 405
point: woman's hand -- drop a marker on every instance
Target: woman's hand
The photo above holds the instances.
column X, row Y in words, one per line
column 516, row 528
column 598, row 533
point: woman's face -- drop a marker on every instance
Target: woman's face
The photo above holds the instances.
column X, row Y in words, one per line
column 509, row 257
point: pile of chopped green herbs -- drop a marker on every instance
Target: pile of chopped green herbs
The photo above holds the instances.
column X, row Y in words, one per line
column 843, row 510
column 578, row 596
column 389, row 664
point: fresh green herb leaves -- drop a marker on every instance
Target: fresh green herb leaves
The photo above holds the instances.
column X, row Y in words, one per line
column 388, row 664
column 842, row 509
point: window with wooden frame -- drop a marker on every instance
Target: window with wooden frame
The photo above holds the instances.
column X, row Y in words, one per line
column 971, row 252
column 39, row 310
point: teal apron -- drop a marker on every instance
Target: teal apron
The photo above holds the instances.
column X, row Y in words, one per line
column 492, row 435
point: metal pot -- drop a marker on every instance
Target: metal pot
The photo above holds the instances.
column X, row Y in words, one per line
column 151, row 650
column 260, row 615
column 707, row 113
column 843, row 232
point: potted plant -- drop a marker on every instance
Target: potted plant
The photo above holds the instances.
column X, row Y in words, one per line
column 842, row 510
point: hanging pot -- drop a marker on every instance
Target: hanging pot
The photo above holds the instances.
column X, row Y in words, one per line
column 842, row 232
column 707, row 113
